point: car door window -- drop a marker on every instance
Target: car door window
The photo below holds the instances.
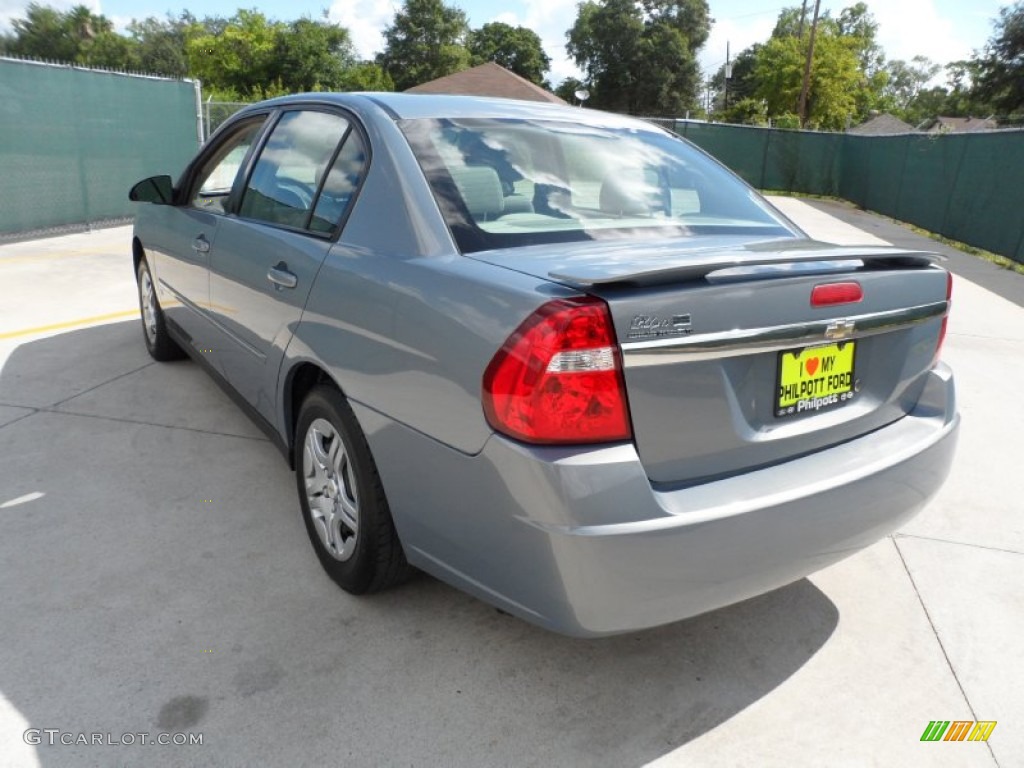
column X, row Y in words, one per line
column 340, row 185
column 216, row 176
column 284, row 181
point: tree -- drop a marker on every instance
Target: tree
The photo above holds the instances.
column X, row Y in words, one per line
column 906, row 82
column 426, row 41
column 567, row 89
column 313, row 55
column 239, row 61
column 742, row 84
column 161, row 44
column 515, row 48
column 367, row 76
column 835, row 79
column 640, row 57
column 1000, row 70
column 78, row 36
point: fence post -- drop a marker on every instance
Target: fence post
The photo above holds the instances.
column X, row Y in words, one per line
column 197, row 85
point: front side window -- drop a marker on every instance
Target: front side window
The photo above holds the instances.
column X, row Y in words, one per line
column 507, row 182
column 284, row 181
column 215, row 178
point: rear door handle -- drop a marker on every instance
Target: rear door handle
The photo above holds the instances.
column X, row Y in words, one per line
column 201, row 244
column 281, row 277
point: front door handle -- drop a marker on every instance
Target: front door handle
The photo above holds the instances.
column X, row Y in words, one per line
column 201, row 244
column 281, row 277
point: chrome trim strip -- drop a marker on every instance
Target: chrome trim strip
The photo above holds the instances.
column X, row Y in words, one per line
column 712, row 346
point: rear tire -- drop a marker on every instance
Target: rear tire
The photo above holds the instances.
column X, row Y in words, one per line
column 343, row 503
column 159, row 344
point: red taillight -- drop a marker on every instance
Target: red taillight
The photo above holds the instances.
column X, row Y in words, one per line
column 558, row 378
column 945, row 317
column 827, row 294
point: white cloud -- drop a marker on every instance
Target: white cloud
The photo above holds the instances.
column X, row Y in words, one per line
column 365, row 21
column 933, row 36
column 739, row 33
column 550, row 19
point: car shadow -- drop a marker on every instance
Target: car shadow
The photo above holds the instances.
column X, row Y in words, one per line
column 158, row 579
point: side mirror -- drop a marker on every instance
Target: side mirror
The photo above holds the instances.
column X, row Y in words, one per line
column 155, row 189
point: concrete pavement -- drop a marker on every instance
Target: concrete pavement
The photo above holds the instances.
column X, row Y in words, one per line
column 157, row 578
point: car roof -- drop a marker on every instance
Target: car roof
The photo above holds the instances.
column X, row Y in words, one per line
column 410, row 106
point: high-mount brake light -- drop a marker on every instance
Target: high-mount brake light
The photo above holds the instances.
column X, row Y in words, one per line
column 829, row 294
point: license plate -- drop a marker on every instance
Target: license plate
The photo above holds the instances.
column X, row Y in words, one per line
column 814, row 378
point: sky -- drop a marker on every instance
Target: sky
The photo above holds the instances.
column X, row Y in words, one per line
column 942, row 30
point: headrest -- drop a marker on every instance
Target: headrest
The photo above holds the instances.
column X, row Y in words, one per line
column 481, row 190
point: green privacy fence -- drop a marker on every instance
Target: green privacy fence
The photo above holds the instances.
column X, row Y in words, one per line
column 73, row 141
column 969, row 187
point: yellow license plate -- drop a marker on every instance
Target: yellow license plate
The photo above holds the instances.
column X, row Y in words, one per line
column 814, row 378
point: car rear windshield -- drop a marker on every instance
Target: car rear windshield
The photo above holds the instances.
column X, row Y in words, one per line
column 503, row 183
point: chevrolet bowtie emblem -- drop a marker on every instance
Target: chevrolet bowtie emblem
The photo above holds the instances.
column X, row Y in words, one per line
column 840, row 329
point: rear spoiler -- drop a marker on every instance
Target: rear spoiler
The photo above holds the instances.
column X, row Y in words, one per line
column 696, row 266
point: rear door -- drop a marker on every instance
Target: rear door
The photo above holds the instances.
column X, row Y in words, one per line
column 263, row 264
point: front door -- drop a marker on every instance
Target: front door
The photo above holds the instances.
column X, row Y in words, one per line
column 266, row 257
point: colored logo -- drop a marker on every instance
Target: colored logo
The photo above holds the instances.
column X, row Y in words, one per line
column 958, row 730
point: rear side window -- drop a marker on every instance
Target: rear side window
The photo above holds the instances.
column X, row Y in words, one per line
column 339, row 187
column 283, row 184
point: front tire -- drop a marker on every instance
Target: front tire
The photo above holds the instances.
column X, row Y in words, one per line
column 343, row 503
column 159, row 344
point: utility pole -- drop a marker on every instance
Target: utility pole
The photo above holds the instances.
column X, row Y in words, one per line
column 728, row 73
column 802, row 107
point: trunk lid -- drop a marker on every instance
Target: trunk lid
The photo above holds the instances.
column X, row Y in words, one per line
column 722, row 347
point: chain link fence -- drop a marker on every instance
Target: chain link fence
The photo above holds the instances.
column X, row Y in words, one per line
column 216, row 112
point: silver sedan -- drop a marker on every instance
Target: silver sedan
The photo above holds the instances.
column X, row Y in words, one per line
column 560, row 359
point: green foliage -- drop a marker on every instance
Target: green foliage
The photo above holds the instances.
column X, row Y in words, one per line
column 425, row 41
column 241, row 58
column 161, row 44
column 367, row 76
column 835, row 79
column 515, row 48
column 640, row 57
column 566, row 90
column 904, row 92
column 76, row 36
column 1000, row 69
column 746, row 111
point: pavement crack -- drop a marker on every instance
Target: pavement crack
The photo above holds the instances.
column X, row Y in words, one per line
column 938, row 639
column 957, row 543
column 101, row 384
column 31, row 412
column 121, row 420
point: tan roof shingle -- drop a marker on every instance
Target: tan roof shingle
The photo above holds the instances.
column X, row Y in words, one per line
column 488, row 79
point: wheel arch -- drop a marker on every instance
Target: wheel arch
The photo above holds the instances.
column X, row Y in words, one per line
column 300, row 381
column 138, row 254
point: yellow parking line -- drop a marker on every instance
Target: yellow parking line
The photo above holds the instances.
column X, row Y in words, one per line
column 69, row 324
column 21, row 258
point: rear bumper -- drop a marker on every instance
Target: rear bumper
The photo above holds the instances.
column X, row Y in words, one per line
column 579, row 541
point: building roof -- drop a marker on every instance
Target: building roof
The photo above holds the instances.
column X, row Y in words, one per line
column 962, row 125
column 488, row 79
column 880, row 125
